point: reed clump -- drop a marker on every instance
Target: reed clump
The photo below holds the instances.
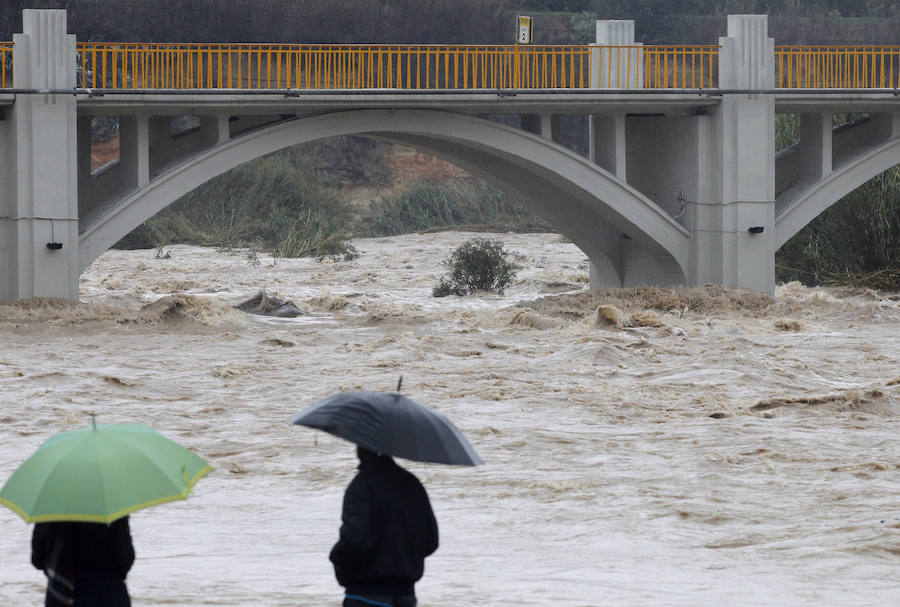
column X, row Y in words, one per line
column 278, row 203
column 426, row 206
column 856, row 242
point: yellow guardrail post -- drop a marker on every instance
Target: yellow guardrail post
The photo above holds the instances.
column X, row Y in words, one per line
column 5, row 58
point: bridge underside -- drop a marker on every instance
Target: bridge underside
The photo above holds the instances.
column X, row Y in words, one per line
column 828, row 163
column 627, row 237
column 623, row 214
column 621, row 254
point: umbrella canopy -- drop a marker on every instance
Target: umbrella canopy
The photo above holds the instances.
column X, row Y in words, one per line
column 101, row 473
column 391, row 424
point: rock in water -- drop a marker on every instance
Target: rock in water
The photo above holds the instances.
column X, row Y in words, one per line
column 269, row 306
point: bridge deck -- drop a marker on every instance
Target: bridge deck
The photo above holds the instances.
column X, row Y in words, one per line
column 556, row 101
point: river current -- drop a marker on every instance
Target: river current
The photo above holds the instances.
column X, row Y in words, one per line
column 701, row 446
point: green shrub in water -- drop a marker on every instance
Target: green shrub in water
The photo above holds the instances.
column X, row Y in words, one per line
column 478, row 264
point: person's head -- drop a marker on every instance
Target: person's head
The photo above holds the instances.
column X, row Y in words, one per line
column 366, row 455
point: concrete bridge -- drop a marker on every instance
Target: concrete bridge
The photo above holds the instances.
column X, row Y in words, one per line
column 682, row 184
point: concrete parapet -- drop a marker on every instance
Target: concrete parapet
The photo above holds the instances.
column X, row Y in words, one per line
column 747, row 54
column 616, row 60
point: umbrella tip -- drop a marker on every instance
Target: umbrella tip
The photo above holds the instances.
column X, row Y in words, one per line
column 94, row 420
column 399, row 382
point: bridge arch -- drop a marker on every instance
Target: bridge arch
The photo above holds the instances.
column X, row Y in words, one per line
column 811, row 202
column 599, row 212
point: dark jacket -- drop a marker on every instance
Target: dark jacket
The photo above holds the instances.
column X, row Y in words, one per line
column 98, row 555
column 387, row 530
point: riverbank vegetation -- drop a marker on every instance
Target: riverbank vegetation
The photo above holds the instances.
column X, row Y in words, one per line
column 277, row 203
column 856, row 241
column 470, row 204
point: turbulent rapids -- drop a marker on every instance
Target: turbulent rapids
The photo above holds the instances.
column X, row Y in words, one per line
column 701, row 446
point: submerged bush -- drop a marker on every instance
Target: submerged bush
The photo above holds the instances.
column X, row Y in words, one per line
column 478, row 264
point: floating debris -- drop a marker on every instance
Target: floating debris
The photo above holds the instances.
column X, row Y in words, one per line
column 264, row 305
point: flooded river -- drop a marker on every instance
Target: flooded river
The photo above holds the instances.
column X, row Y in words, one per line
column 646, row 447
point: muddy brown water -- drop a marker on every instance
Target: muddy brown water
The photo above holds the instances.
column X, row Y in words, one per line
column 702, row 446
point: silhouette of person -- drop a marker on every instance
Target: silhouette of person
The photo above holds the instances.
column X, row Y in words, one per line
column 387, row 530
column 85, row 563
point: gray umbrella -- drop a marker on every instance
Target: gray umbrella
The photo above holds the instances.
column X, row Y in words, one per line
column 392, row 424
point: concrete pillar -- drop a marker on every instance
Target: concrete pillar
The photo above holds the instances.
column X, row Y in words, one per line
column 815, row 145
column 213, row 130
column 134, row 150
column 607, row 143
column 160, row 143
column 887, row 123
column 41, row 168
column 733, row 237
column 545, row 125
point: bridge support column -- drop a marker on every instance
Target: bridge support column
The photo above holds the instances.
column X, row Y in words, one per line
column 134, row 150
column 733, row 238
column 815, row 145
column 214, row 129
column 607, row 143
column 545, row 125
column 39, row 204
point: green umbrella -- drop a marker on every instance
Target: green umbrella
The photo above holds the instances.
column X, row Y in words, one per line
column 101, row 473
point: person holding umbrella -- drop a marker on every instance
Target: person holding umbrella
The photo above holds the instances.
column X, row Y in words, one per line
column 387, row 530
column 79, row 488
column 387, row 524
column 95, row 556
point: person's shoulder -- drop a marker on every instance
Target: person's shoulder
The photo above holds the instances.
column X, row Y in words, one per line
column 408, row 477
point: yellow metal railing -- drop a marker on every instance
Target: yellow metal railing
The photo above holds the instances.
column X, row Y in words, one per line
column 410, row 67
column 433, row 67
column 830, row 67
column 681, row 67
column 266, row 66
column 6, row 59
